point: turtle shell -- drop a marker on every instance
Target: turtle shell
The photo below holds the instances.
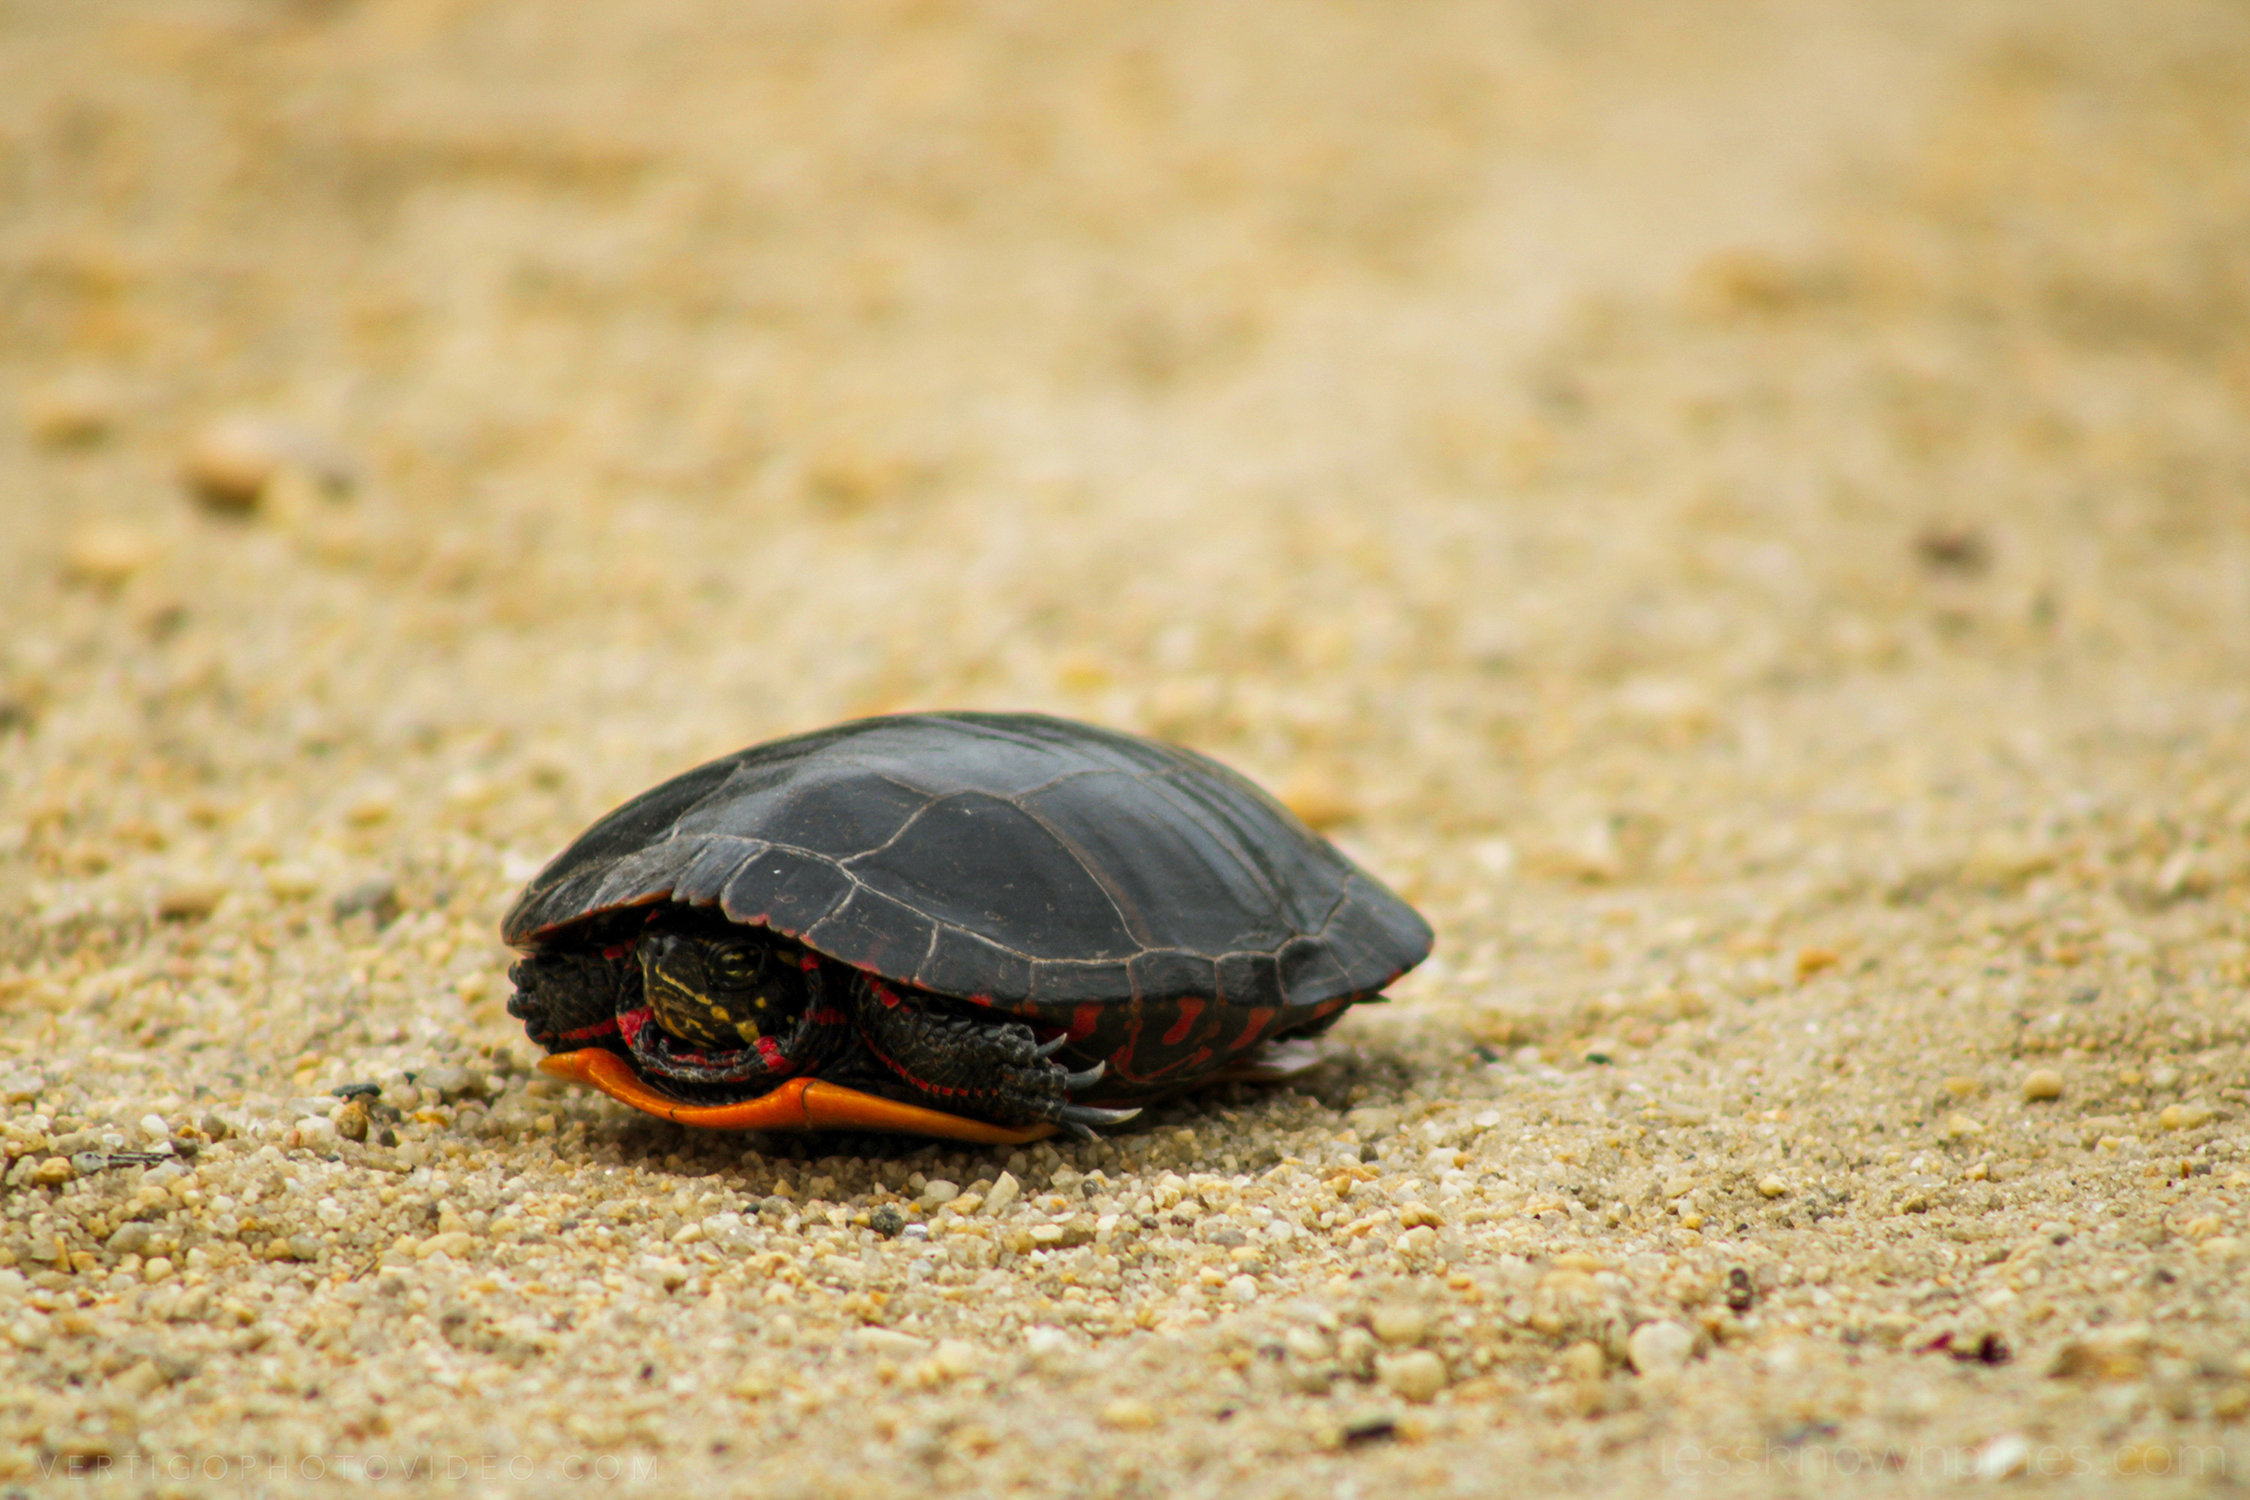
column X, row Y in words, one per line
column 1157, row 906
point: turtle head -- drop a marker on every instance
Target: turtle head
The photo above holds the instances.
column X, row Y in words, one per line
column 721, row 992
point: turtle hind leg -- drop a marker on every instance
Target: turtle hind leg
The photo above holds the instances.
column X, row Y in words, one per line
column 975, row 1065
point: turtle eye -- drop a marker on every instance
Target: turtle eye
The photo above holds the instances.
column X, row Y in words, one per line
column 737, row 963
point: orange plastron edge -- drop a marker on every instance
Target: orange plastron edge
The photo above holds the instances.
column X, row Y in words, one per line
column 799, row 1104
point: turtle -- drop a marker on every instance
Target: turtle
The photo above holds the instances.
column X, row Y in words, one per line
column 976, row 926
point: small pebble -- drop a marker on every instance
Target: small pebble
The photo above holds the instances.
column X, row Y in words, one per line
column 351, row 1120
column 940, row 1192
column 1042, row 1340
column 1953, row 547
column 2186, row 1116
column 70, row 414
column 2042, row 1084
column 291, row 882
column 452, row 1082
column 1319, row 801
column 377, row 898
column 889, row 1341
column 886, row 1221
column 365, row 810
column 1660, row 1347
column 1361, row 1429
column 106, row 554
column 136, row 1382
column 1003, row 1195
column 129, row 1239
column 1400, row 1323
column 1770, row 1186
column 2006, row 1456
column 189, row 900
column 957, row 1357
column 1417, row 1375
column 229, row 465
column 1129, row 1414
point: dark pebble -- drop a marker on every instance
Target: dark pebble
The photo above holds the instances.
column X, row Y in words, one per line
column 1370, row 1429
column 378, row 898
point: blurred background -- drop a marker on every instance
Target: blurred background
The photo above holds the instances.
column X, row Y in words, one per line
column 1695, row 444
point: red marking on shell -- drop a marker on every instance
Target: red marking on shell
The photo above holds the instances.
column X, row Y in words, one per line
column 769, row 1052
column 621, row 949
column 630, row 1022
column 1121, row 1062
column 886, row 994
column 1083, row 1020
column 1178, row 1031
column 1258, row 1018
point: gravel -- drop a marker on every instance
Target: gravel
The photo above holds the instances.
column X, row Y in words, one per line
column 1741, row 519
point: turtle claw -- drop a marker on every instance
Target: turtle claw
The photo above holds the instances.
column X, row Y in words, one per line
column 1079, row 1119
column 1052, row 1046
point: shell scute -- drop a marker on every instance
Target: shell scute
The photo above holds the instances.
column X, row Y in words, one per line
column 715, row 860
column 787, row 890
column 889, row 936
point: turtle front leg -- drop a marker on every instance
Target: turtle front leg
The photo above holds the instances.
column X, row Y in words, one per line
column 968, row 1065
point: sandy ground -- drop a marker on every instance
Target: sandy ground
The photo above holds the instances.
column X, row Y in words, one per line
column 1741, row 511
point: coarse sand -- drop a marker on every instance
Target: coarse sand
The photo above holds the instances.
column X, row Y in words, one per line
column 1741, row 511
